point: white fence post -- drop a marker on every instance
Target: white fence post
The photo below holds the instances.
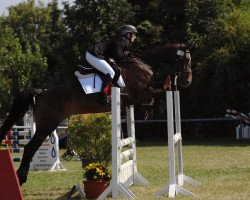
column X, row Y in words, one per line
column 174, row 185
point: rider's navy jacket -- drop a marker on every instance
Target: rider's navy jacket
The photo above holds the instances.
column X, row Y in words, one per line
column 110, row 48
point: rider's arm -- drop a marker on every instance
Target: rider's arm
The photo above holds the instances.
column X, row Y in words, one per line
column 121, row 48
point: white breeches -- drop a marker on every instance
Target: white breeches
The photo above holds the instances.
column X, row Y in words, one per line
column 104, row 67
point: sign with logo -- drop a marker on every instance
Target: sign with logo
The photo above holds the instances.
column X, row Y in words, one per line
column 47, row 156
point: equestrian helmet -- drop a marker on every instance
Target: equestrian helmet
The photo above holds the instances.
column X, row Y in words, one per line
column 128, row 29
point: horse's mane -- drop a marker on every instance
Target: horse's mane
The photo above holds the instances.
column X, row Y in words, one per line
column 135, row 71
column 136, row 75
column 158, row 44
column 153, row 45
column 133, row 60
column 138, row 61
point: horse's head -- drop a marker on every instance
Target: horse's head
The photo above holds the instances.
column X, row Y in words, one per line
column 183, row 64
column 145, row 73
column 174, row 57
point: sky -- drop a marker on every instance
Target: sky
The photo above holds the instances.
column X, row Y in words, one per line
column 4, row 4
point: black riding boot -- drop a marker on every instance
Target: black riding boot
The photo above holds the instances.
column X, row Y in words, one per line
column 103, row 100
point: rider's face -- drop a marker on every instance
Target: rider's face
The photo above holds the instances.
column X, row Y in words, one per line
column 133, row 37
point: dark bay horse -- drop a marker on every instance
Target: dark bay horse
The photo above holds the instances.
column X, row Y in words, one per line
column 176, row 62
column 53, row 105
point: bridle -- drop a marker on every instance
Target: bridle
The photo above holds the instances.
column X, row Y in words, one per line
column 181, row 55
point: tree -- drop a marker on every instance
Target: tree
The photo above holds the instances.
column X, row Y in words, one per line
column 160, row 20
column 222, row 67
column 18, row 69
column 41, row 27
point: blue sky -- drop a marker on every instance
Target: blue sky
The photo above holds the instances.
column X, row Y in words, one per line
column 4, row 4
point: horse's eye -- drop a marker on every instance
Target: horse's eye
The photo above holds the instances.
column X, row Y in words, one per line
column 180, row 53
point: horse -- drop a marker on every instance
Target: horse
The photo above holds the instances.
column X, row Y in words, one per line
column 57, row 103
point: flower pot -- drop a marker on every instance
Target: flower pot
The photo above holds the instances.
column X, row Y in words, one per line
column 93, row 189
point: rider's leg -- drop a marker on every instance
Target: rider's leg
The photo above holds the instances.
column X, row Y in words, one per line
column 109, row 74
column 117, row 80
column 100, row 64
column 104, row 67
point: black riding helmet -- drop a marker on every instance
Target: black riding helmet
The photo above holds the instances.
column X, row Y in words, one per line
column 128, row 29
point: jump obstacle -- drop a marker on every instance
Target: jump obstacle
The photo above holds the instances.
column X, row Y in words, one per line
column 124, row 163
column 47, row 156
column 9, row 187
column 175, row 183
column 16, row 142
column 243, row 129
column 242, row 132
column 124, row 173
column 26, row 132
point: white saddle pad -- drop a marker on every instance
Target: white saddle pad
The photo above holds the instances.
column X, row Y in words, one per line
column 91, row 83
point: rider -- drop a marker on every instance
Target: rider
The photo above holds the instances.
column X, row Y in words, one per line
column 112, row 51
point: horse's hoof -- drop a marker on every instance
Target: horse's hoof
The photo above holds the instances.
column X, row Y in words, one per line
column 22, row 178
column 22, row 181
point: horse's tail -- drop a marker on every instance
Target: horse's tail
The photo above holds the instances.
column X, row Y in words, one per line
column 19, row 107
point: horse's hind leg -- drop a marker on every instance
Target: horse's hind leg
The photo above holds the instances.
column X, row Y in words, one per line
column 30, row 150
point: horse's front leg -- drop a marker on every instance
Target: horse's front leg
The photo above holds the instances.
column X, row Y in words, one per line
column 29, row 151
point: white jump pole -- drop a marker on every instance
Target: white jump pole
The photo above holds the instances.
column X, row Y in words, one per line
column 174, row 137
column 181, row 177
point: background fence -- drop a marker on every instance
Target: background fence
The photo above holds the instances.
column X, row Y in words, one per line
column 191, row 128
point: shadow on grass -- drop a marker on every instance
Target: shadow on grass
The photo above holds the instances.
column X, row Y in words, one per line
column 74, row 197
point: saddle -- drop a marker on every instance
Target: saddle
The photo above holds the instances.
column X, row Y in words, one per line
column 87, row 69
column 92, row 80
column 84, row 71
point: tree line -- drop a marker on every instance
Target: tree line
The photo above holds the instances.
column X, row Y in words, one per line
column 41, row 45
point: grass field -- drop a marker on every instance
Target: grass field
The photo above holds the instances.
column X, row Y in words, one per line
column 222, row 168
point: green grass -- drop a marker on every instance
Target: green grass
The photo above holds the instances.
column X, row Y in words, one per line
column 222, row 168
